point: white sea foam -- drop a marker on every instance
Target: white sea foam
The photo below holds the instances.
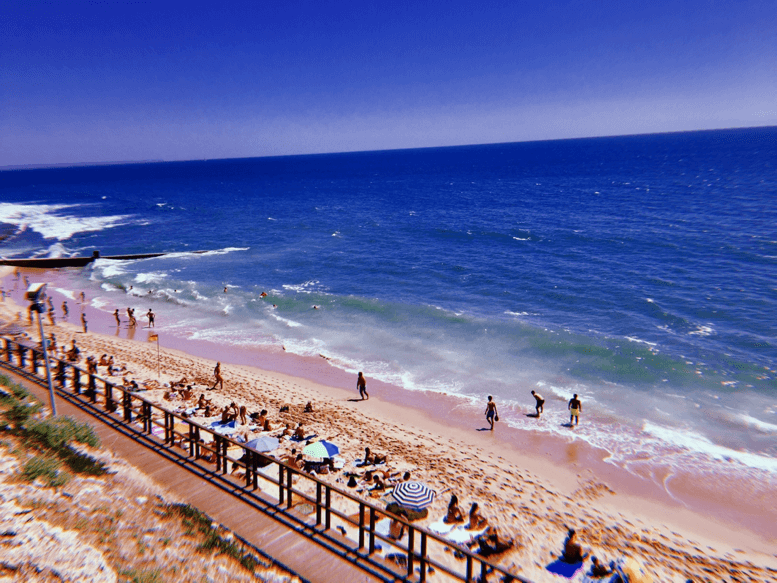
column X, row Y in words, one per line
column 702, row 331
column 50, row 221
column 694, row 442
column 151, row 277
column 519, row 239
column 305, row 287
column 289, row 323
column 194, row 255
column 639, row 340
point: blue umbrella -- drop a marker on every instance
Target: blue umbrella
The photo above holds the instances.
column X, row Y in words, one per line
column 264, row 443
column 321, row 449
column 413, row 495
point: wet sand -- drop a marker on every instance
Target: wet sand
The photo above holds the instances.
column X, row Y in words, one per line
column 534, row 486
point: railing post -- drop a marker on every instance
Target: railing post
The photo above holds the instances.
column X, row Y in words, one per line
column 8, row 351
column 361, row 525
column 191, row 440
column 127, row 403
column 225, row 449
column 318, row 503
column 328, row 513
column 254, row 469
column 482, row 572
column 422, row 559
column 217, row 447
column 168, row 432
column 91, row 391
column 21, row 356
column 34, row 361
column 410, row 549
column 469, row 568
column 372, row 530
column 288, row 489
column 280, row 483
column 61, row 373
column 109, row 405
column 76, row 380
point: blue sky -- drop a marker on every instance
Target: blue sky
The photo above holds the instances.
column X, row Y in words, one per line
column 104, row 81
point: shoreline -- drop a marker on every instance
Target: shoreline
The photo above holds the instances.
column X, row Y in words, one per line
column 415, row 421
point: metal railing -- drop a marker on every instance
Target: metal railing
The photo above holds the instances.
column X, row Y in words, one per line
column 170, row 431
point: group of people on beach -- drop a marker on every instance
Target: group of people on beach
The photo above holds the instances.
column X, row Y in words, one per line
column 575, row 407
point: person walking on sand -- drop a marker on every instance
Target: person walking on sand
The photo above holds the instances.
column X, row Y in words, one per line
column 217, row 374
column 361, row 384
column 491, row 413
column 83, row 321
column 65, row 311
column 150, row 316
column 575, row 408
column 118, row 320
column 539, row 404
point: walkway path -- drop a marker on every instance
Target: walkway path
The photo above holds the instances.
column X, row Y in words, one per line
column 263, row 528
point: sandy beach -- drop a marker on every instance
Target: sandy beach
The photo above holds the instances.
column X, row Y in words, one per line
column 533, row 486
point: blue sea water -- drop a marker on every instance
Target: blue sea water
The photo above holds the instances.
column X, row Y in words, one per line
column 639, row 272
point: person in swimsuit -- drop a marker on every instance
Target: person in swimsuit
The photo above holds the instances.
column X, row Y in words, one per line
column 575, row 408
column 491, row 413
column 84, row 322
column 217, row 374
column 361, row 384
column 150, row 316
column 116, row 315
column 539, row 404
column 64, row 310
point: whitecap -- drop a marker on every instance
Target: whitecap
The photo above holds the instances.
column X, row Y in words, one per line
column 52, row 223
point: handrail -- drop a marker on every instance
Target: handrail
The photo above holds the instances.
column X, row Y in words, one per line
column 143, row 410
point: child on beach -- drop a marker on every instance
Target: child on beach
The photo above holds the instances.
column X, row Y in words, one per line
column 361, row 384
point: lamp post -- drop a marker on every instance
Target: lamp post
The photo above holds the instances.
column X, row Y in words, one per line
column 35, row 295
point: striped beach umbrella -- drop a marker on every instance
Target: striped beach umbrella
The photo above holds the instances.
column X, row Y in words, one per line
column 321, row 449
column 413, row 495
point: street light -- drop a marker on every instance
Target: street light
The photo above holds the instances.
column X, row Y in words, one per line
column 35, row 295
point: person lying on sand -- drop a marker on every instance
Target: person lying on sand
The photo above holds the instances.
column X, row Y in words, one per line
column 573, row 552
column 599, row 569
column 454, row 512
column 476, row 520
column 491, row 543
column 373, row 458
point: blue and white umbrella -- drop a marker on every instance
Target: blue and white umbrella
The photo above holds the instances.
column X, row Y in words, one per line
column 264, row 443
column 413, row 495
column 321, row 449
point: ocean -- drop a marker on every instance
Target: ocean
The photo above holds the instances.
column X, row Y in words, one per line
column 639, row 272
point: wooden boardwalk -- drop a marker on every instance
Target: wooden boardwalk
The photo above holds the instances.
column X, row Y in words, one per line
column 299, row 549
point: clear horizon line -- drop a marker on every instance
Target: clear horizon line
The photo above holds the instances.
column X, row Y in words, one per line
column 34, row 166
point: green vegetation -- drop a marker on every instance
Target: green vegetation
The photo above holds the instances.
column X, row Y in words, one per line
column 139, row 576
column 196, row 521
column 47, row 468
column 50, row 439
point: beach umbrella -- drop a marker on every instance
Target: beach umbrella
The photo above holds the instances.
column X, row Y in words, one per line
column 321, row 449
column 264, row 443
column 413, row 495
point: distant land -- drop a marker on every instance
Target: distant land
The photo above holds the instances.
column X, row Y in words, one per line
column 73, row 164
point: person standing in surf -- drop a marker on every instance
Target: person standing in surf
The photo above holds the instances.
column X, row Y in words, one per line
column 575, row 408
column 361, row 384
column 491, row 414
column 150, row 316
column 539, row 403
column 118, row 320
